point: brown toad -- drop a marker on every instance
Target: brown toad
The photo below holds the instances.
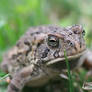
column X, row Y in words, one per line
column 39, row 55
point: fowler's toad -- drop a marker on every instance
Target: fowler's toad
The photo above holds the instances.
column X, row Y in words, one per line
column 39, row 55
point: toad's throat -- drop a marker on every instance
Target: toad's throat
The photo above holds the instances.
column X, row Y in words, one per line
column 68, row 57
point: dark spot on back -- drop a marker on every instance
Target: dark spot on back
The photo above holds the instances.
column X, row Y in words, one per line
column 56, row 54
column 18, row 44
column 18, row 60
column 75, row 32
column 45, row 53
column 26, row 43
column 38, row 32
column 70, row 33
column 38, row 44
column 14, row 56
column 30, row 49
column 14, row 88
column 19, row 53
column 23, row 65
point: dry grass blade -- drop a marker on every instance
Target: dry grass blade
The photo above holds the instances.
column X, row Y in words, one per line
column 87, row 86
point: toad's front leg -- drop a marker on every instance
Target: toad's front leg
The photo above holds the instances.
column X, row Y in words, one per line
column 20, row 79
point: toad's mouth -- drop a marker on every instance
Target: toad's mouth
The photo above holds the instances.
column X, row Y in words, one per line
column 75, row 56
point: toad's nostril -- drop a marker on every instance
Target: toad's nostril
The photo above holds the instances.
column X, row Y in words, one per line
column 70, row 43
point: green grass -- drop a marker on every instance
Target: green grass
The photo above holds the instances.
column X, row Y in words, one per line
column 3, row 77
column 71, row 88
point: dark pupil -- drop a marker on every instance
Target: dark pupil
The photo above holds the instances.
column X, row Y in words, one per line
column 53, row 41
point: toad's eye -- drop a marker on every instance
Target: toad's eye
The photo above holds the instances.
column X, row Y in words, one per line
column 53, row 41
column 83, row 32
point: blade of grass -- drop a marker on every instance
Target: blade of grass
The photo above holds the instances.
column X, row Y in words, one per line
column 71, row 89
column 2, row 78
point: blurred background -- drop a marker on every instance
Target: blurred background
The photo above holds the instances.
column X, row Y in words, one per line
column 16, row 16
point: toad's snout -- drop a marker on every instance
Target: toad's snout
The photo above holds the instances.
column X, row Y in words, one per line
column 78, row 47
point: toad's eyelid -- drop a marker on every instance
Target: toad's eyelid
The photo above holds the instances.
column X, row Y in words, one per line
column 61, row 36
